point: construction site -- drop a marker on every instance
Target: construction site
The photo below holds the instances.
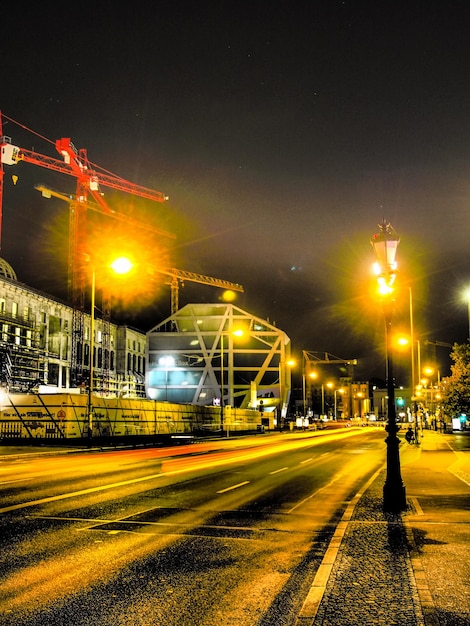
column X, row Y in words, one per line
column 52, row 346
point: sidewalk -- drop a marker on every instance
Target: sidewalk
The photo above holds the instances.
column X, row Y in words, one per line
column 409, row 569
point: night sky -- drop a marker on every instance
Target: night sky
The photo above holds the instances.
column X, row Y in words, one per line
column 283, row 134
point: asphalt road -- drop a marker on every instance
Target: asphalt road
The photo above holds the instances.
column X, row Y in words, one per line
column 227, row 532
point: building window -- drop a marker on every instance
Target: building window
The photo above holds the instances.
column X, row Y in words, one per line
column 17, row 336
column 2, row 306
column 14, row 309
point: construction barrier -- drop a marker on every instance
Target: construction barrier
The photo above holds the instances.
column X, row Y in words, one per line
column 57, row 418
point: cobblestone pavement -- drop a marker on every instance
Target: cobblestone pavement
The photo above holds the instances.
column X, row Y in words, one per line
column 409, row 569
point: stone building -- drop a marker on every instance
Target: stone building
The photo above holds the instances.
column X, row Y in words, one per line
column 36, row 345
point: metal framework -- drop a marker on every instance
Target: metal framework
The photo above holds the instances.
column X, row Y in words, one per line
column 195, row 357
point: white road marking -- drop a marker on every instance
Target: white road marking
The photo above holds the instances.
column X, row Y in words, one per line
column 234, row 486
column 282, row 469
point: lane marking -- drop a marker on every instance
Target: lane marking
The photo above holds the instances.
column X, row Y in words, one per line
column 245, row 482
column 307, row 461
column 18, row 480
column 417, row 506
column 282, row 469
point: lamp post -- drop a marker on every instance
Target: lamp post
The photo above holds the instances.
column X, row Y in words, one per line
column 385, row 245
column 222, row 384
column 467, row 298
column 92, row 355
column 120, row 265
column 284, row 386
column 237, row 333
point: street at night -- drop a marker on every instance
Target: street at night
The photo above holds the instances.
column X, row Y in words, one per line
column 221, row 532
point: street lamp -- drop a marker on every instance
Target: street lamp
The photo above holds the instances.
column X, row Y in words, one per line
column 385, row 245
column 467, row 297
column 330, row 386
column 284, row 386
column 120, row 265
column 237, row 333
column 313, row 376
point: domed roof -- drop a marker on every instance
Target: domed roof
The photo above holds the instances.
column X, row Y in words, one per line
column 6, row 270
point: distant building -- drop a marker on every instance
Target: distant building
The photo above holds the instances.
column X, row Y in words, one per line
column 36, row 344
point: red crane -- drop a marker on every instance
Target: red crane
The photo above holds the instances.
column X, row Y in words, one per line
column 89, row 180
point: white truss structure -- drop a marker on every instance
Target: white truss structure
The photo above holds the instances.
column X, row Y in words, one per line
column 207, row 352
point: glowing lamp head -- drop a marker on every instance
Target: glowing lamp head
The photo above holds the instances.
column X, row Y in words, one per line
column 122, row 265
column 385, row 245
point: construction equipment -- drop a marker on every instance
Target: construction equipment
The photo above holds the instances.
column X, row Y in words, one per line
column 311, row 357
column 89, row 180
column 48, row 192
column 179, row 276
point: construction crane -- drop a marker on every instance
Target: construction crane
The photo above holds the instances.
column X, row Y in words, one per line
column 179, row 276
column 311, row 357
column 89, row 180
column 441, row 344
column 48, row 192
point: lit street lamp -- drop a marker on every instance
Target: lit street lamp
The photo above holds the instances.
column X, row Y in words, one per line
column 385, row 245
column 467, row 298
column 121, row 265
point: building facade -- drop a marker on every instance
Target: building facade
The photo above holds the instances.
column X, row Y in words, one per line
column 36, row 345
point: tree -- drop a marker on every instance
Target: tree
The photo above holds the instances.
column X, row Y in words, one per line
column 456, row 391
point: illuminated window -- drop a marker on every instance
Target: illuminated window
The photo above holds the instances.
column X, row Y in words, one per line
column 17, row 336
column 14, row 309
column 2, row 306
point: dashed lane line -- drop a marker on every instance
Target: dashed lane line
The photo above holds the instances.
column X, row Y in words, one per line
column 245, row 482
